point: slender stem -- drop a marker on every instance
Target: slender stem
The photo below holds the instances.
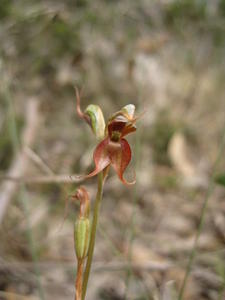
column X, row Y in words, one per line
column 93, row 233
column 78, row 283
column 202, row 217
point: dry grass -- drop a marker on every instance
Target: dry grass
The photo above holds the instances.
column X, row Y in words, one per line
column 166, row 59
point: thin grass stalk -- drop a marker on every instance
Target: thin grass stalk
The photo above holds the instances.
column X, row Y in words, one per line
column 93, row 234
column 133, row 217
column 119, row 253
column 23, row 195
column 202, row 216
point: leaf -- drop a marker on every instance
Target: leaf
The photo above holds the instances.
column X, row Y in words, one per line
column 220, row 179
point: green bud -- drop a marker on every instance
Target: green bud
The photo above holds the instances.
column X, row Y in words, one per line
column 81, row 237
column 97, row 120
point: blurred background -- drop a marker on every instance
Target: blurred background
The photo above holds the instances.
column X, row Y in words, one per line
column 167, row 58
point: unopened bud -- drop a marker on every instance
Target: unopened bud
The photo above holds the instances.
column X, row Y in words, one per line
column 96, row 119
column 81, row 237
column 83, row 197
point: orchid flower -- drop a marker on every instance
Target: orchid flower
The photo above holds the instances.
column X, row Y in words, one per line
column 113, row 149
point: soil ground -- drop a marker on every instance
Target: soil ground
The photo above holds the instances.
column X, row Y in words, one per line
column 165, row 57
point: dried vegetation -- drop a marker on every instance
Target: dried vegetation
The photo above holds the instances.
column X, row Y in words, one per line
column 166, row 57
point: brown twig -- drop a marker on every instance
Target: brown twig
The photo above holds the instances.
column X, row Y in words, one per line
column 97, row 267
column 20, row 162
column 10, row 295
column 43, row 179
column 38, row 161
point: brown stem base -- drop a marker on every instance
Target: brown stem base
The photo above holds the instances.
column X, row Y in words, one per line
column 79, row 280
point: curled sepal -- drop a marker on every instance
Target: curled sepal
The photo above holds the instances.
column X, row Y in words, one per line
column 101, row 157
column 81, row 237
column 97, row 120
column 120, row 157
column 93, row 116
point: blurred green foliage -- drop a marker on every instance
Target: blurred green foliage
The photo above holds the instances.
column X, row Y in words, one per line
column 6, row 147
column 65, row 35
column 185, row 9
column 161, row 133
column 167, row 182
column 220, row 179
column 222, row 7
column 5, row 8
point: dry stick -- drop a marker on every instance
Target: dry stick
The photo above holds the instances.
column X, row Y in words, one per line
column 28, row 136
column 20, row 162
column 10, row 295
column 93, row 233
column 202, row 216
column 114, row 266
column 38, row 161
column 43, row 179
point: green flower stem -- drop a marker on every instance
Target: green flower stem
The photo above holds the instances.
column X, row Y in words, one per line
column 93, row 233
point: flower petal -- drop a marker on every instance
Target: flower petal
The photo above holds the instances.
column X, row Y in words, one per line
column 100, row 157
column 122, row 127
column 129, row 111
column 128, row 129
column 115, row 126
column 126, row 113
column 120, row 156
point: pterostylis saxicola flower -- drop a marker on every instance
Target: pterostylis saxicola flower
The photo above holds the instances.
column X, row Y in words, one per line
column 112, row 150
